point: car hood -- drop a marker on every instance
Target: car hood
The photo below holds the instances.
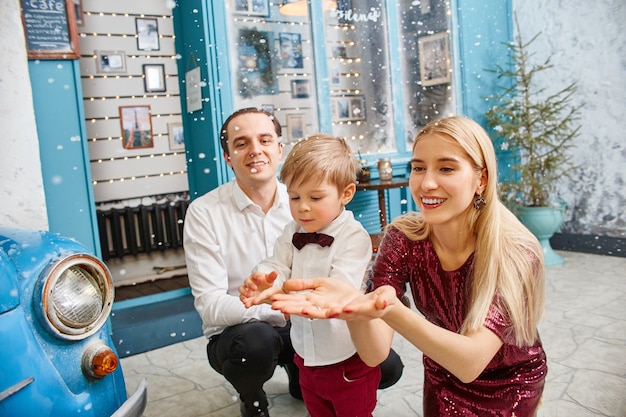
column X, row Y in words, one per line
column 9, row 294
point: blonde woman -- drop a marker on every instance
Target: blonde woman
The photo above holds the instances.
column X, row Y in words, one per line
column 476, row 275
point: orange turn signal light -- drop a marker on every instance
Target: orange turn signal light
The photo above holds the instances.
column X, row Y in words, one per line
column 99, row 360
column 104, row 363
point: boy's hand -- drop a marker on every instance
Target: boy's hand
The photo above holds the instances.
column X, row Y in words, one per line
column 258, row 288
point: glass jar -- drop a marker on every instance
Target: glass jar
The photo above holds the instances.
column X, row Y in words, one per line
column 364, row 175
column 384, row 169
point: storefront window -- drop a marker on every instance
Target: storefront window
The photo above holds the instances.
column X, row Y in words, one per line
column 426, row 63
column 272, row 65
column 359, row 75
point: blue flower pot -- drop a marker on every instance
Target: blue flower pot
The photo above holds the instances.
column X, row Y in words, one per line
column 543, row 222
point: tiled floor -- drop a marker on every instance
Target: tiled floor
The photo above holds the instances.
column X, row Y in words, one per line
column 583, row 331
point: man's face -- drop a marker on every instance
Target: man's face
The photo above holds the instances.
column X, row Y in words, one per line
column 255, row 150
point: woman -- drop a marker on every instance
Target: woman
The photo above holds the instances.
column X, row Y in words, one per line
column 475, row 272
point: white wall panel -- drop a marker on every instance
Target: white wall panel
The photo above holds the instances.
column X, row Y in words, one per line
column 150, row 166
column 111, row 26
column 141, row 187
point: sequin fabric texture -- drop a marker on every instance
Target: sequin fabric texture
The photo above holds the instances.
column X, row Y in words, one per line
column 512, row 383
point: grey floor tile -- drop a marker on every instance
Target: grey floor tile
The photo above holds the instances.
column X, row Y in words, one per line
column 583, row 331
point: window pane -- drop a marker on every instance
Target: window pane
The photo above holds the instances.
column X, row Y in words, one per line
column 272, row 65
column 426, row 63
column 359, row 76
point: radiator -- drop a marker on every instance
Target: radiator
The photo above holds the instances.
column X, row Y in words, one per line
column 142, row 229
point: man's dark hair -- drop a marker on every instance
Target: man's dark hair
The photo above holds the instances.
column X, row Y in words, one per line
column 223, row 131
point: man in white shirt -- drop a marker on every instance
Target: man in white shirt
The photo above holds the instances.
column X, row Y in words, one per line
column 226, row 233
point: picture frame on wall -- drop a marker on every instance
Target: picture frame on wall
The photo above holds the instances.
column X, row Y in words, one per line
column 434, row 59
column 300, row 88
column 78, row 11
column 340, row 109
column 256, row 63
column 335, row 74
column 154, row 78
column 340, row 52
column 110, row 62
column 348, row 108
column 147, row 34
column 268, row 108
column 357, row 108
column 252, row 7
column 290, row 50
column 296, row 127
column 176, row 136
column 136, row 125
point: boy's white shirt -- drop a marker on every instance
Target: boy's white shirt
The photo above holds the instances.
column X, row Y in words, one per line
column 323, row 342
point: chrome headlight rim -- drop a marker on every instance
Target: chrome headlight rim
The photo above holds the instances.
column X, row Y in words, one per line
column 97, row 272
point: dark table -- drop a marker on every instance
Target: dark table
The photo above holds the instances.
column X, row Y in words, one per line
column 381, row 186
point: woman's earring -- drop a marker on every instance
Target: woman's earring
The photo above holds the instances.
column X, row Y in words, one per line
column 479, row 202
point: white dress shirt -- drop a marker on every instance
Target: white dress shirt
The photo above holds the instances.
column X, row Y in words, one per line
column 225, row 236
column 323, row 342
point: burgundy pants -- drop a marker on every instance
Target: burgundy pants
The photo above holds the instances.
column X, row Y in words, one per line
column 344, row 389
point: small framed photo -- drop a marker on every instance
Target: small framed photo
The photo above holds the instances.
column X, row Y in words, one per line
column 252, row 7
column 154, row 78
column 340, row 52
column 357, row 108
column 335, row 74
column 78, row 11
column 147, row 34
column 268, row 108
column 110, row 62
column 295, row 127
column 434, row 59
column 300, row 89
column 348, row 108
column 136, row 124
column 290, row 50
column 176, row 136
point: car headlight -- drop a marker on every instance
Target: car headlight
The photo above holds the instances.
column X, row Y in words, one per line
column 76, row 296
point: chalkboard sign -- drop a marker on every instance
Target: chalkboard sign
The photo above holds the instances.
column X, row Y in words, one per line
column 50, row 28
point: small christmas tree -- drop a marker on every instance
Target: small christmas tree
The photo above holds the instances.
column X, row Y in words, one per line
column 537, row 126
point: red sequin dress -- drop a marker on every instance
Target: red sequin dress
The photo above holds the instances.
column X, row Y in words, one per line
column 512, row 383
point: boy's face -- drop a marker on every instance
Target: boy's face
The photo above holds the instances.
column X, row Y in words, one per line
column 314, row 205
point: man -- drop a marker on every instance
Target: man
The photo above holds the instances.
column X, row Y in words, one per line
column 227, row 232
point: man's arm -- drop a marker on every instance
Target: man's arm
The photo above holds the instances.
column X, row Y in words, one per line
column 209, row 278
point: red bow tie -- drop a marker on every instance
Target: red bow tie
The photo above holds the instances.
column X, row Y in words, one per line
column 301, row 239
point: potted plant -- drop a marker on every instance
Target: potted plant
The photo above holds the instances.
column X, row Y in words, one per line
column 539, row 128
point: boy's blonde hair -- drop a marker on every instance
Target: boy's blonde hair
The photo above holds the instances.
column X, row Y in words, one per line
column 318, row 157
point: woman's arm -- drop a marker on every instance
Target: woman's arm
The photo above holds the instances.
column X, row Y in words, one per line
column 464, row 355
column 373, row 317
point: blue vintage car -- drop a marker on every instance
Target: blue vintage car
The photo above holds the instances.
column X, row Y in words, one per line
column 58, row 358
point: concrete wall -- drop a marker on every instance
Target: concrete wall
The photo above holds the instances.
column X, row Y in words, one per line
column 587, row 43
column 21, row 185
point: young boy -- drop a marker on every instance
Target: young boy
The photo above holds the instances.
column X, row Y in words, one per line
column 324, row 240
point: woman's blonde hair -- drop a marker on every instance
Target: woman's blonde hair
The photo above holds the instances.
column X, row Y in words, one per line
column 508, row 259
column 318, row 157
